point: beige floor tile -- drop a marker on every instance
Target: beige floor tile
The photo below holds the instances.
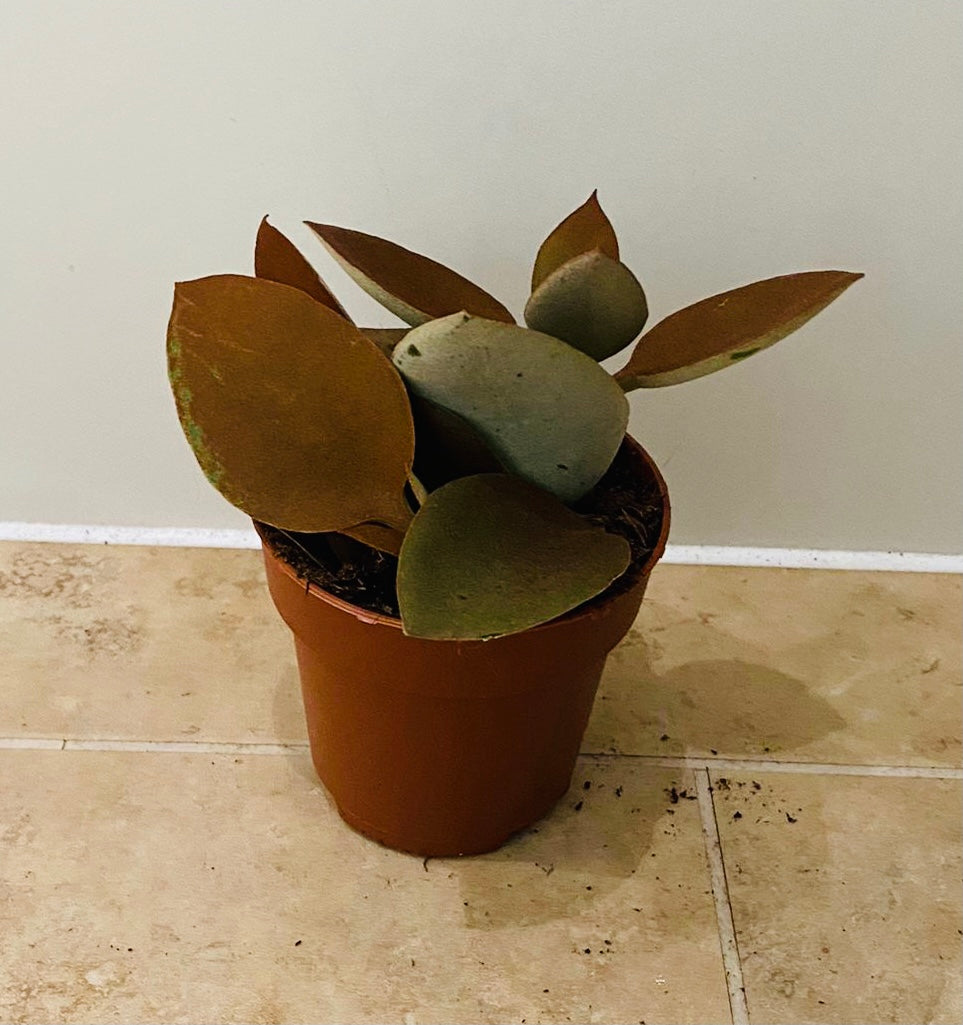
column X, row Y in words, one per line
column 183, row 644
column 808, row 665
column 143, row 643
column 851, row 913
column 186, row 888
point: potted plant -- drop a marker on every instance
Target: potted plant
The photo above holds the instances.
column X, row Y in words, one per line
column 454, row 523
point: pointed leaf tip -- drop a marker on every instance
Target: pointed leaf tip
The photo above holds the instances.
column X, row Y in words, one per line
column 585, row 229
column 276, row 258
column 726, row 329
column 413, row 287
column 490, row 555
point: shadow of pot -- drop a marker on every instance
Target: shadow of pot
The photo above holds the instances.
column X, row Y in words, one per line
column 443, row 748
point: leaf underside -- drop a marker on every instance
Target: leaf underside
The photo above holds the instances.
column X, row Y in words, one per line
column 413, row 287
column 276, row 258
column 294, row 416
column 376, row 535
column 592, row 302
column 547, row 412
column 728, row 328
column 490, row 554
column 584, row 230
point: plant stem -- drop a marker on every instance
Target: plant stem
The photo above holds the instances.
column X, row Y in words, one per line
column 418, row 490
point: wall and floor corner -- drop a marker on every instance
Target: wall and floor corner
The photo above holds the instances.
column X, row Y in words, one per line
column 727, row 143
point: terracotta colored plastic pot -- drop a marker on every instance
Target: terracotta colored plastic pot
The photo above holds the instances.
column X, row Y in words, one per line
column 448, row 747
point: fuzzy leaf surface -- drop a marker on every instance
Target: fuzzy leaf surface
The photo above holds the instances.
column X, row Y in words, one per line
column 592, row 302
column 294, row 416
column 276, row 258
column 584, row 229
column 727, row 328
column 548, row 412
column 413, row 287
column 491, row 554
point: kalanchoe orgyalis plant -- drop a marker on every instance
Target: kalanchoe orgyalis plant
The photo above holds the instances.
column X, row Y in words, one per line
column 309, row 423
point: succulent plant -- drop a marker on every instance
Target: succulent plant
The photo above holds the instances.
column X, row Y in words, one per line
column 308, row 423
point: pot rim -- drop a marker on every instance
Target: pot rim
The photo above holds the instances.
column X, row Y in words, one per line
column 379, row 619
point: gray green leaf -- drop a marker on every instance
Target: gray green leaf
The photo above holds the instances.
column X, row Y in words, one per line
column 548, row 412
column 592, row 302
column 491, row 554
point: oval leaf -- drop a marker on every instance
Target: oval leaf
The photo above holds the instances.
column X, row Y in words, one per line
column 277, row 259
column 592, row 302
column 584, row 230
column 491, row 554
column 295, row 417
column 412, row 286
column 548, row 412
column 727, row 328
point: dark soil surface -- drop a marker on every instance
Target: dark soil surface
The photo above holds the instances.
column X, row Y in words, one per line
column 626, row 501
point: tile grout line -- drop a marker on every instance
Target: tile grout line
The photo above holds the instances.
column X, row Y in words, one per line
column 31, row 744
column 720, row 893
column 660, row 761
column 183, row 747
column 149, row 746
column 800, row 768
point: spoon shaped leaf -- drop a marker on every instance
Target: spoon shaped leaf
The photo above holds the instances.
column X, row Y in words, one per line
column 492, row 554
column 413, row 287
column 592, row 302
column 727, row 328
column 294, row 416
column 584, row 229
column 548, row 412
column 276, row 258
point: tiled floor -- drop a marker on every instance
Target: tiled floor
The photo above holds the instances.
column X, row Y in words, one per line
column 765, row 824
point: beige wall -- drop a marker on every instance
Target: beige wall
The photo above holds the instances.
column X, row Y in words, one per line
column 143, row 142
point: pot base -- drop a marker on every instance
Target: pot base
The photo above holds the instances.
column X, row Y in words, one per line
column 425, row 847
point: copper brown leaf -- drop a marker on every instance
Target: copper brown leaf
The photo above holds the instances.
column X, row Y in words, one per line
column 584, row 229
column 728, row 328
column 294, row 416
column 276, row 258
column 413, row 287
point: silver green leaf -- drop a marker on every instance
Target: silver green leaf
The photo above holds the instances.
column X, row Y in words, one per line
column 491, row 554
column 548, row 412
column 592, row 302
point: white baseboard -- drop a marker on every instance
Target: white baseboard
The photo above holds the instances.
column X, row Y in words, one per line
column 166, row 537
column 699, row 555
column 812, row 558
